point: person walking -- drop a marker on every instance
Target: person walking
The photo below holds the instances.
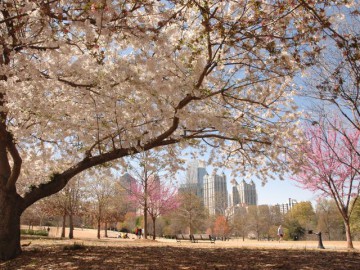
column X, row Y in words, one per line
column 138, row 233
column 280, row 233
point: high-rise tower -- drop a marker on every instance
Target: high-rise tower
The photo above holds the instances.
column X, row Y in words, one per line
column 215, row 193
column 195, row 177
column 243, row 193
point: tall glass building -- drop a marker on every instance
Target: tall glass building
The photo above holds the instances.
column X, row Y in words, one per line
column 243, row 193
column 195, row 177
column 215, row 193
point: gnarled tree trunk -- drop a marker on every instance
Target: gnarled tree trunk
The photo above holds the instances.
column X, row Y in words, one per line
column 9, row 225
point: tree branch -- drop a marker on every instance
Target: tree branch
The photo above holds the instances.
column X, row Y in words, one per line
column 17, row 161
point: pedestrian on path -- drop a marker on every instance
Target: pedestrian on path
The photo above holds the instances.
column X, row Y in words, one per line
column 280, row 233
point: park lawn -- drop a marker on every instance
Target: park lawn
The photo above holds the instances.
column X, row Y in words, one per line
column 146, row 254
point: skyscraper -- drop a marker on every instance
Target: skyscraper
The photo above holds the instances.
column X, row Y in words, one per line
column 215, row 193
column 243, row 193
column 126, row 181
column 286, row 207
column 195, row 177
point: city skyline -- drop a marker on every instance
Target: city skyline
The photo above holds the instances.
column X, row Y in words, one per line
column 275, row 191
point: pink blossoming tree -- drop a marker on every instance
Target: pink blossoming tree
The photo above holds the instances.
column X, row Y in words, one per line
column 160, row 198
column 330, row 165
column 145, row 168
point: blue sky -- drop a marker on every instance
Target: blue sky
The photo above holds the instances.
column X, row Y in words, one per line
column 277, row 191
column 273, row 192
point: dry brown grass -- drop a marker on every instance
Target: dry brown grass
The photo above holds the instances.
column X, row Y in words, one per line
column 113, row 253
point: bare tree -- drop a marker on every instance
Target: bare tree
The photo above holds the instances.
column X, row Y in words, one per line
column 100, row 190
column 329, row 220
column 191, row 213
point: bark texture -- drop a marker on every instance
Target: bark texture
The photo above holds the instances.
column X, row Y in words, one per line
column 9, row 225
column 348, row 235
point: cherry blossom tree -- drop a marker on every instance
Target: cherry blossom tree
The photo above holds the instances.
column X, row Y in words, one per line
column 83, row 83
column 146, row 168
column 330, row 166
column 162, row 202
column 161, row 198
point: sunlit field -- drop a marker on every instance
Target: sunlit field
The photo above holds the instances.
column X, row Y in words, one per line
column 87, row 252
column 88, row 237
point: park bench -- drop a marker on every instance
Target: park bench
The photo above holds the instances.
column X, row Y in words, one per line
column 223, row 238
column 202, row 237
column 181, row 237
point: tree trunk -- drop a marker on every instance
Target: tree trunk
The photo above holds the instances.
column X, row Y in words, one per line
column 71, row 226
column 154, row 230
column 9, row 225
column 348, row 234
column 190, row 224
column 145, row 221
column 63, row 226
column 98, row 227
column 106, row 234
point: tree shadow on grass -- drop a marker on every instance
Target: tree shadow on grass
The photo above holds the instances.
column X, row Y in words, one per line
column 168, row 257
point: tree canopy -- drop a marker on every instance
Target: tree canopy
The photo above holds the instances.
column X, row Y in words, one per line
column 329, row 164
column 83, row 83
